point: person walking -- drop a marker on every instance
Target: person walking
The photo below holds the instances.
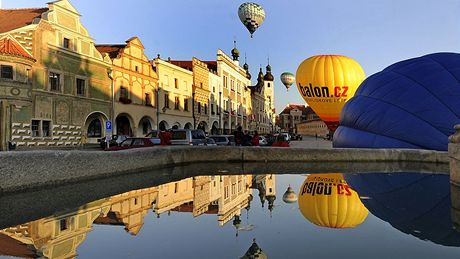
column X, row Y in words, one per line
column 255, row 139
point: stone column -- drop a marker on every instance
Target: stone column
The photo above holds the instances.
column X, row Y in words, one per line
column 454, row 155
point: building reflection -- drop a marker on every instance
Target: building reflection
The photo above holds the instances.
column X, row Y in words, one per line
column 59, row 236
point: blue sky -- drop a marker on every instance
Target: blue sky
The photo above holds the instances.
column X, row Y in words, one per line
column 376, row 33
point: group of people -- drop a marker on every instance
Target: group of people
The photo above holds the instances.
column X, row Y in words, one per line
column 244, row 139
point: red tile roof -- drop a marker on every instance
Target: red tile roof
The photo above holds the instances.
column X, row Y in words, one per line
column 11, row 19
column 12, row 247
column 112, row 49
column 186, row 64
column 9, row 46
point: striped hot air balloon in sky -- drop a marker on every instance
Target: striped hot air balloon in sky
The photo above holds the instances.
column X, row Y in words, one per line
column 287, row 79
column 252, row 15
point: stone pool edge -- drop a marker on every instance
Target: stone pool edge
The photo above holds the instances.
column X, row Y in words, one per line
column 29, row 170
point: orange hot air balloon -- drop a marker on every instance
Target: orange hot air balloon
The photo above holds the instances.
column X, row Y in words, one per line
column 327, row 200
column 326, row 82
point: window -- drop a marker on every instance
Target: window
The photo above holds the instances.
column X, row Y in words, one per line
column 199, row 107
column 123, row 92
column 185, row 104
column 238, row 87
column 225, row 82
column 226, row 192
column 205, row 108
column 66, row 44
column 80, row 87
column 148, row 99
column 232, row 85
column 63, row 224
column 46, row 129
column 35, row 128
column 55, row 81
column 201, row 85
column 94, row 129
column 167, row 100
column 176, row 83
column 6, row 72
column 136, row 68
column 176, row 103
column 212, row 109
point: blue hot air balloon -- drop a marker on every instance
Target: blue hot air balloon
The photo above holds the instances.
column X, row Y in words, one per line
column 414, row 103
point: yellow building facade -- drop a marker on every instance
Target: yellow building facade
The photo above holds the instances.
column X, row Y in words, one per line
column 68, row 97
column 134, row 88
column 174, row 96
column 235, row 93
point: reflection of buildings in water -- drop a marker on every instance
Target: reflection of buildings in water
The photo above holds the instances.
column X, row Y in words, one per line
column 266, row 185
column 53, row 237
column 129, row 209
column 254, row 251
column 58, row 236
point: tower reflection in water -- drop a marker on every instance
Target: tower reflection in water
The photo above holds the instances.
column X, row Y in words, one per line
column 59, row 235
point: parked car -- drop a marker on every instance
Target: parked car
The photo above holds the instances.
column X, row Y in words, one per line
column 133, row 143
column 270, row 139
column 210, row 142
column 284, row 135
column 154, row 135
column 188, row 137
column 263, row 141
column 224, row 140
column 281, row 141
column 114, row 141
column 295, row 136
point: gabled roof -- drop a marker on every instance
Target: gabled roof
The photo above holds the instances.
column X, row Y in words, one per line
column 112, row 49
column 9, row 46
column 11, row 19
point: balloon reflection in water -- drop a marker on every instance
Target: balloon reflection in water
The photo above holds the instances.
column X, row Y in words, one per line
column 289, row 196
column 414, row 203
column 326, row 200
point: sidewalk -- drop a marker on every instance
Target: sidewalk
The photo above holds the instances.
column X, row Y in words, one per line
column 311, row 142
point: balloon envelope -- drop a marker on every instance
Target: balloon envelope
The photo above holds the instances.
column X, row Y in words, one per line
column 252, row 15
column 326, row 200
column 326, row 82
column 287, row 79
column 410, row 104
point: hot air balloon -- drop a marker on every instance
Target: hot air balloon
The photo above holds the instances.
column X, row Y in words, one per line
column 287, row 79
column 252, row 15
column 411, row 104
column 289, row 196
column 327, row 200
column 326, row 82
